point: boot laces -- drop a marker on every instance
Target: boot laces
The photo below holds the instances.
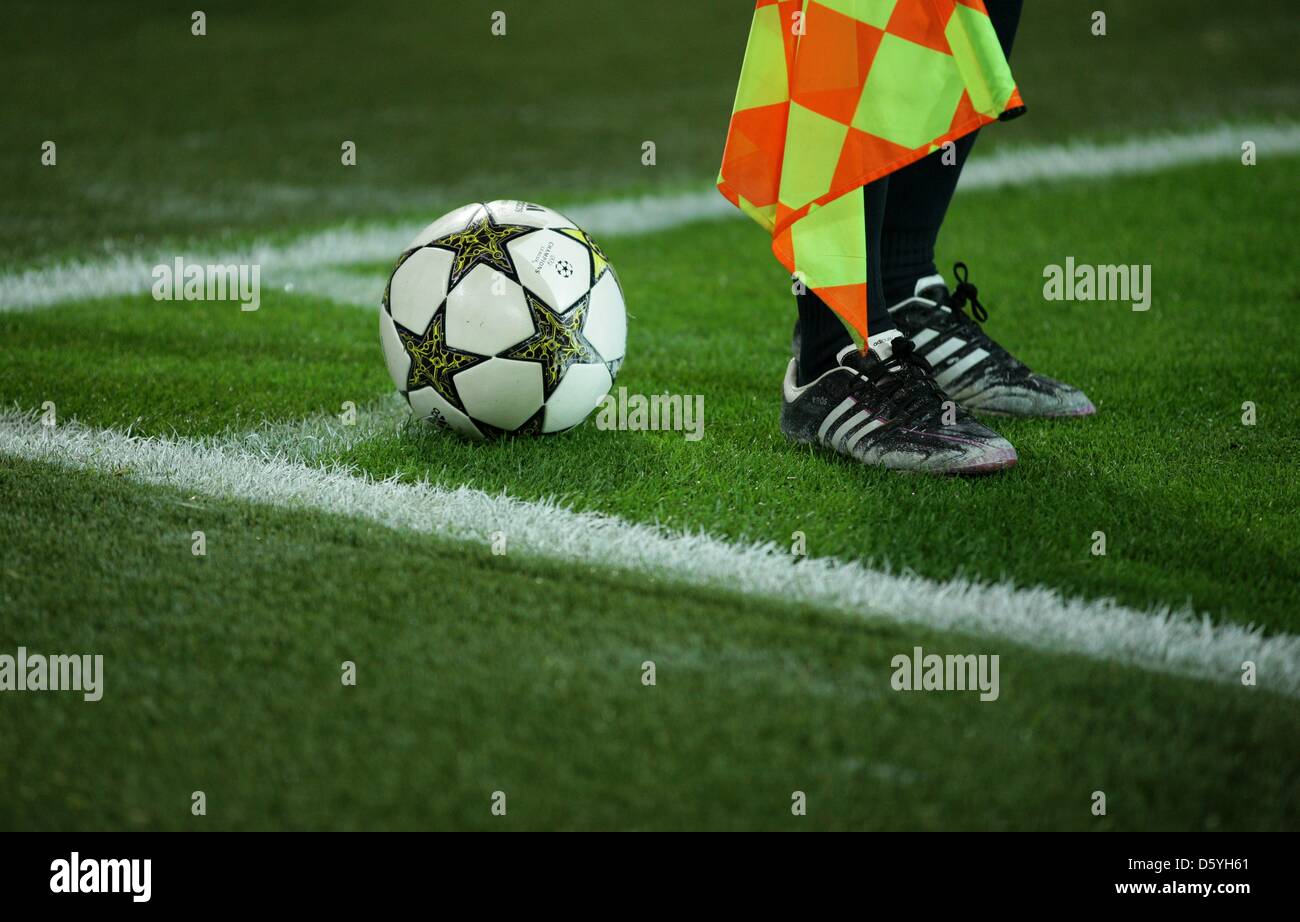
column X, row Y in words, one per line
column 904, row 380
column 966, row 293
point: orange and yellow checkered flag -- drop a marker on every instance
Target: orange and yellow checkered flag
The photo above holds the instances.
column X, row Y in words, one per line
column 837, row 93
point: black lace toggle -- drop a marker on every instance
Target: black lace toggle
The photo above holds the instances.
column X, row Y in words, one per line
column 966, row 293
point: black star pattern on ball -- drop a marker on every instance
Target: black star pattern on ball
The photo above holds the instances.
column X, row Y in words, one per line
column 558, row 342
column 483, row 243
column 433, row 362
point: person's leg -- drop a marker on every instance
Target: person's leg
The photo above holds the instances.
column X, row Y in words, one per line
column 975, row 371
column 819, row 332
column 919, row 194
column 880, row 407
column 913, row 216
column 904, row 212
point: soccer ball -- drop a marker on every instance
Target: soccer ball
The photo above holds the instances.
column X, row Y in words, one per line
column 502, row 318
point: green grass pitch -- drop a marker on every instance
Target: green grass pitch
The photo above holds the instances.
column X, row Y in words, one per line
column 478, row 673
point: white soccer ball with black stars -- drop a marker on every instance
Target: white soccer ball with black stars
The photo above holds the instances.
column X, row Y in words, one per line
column 503, row 317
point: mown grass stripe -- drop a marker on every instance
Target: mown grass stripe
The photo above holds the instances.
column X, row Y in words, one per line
column 293, row 263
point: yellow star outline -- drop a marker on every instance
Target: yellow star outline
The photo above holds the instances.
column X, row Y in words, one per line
column 482, row 243
column 433, row 362
column 598, row 261
column 558, row 342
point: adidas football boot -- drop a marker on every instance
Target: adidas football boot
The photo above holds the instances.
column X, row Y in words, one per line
column 974, row 370
column 883, row 408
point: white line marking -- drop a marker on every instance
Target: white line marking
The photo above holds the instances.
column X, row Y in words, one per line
column 297, row 262
column 1130, row 157
column 1179, row 643
column 357, row 289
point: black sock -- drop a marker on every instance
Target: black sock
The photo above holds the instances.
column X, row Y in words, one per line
column 822, row 335
column 919, row 194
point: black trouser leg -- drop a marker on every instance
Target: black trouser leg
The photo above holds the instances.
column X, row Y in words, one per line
column 919, row 194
